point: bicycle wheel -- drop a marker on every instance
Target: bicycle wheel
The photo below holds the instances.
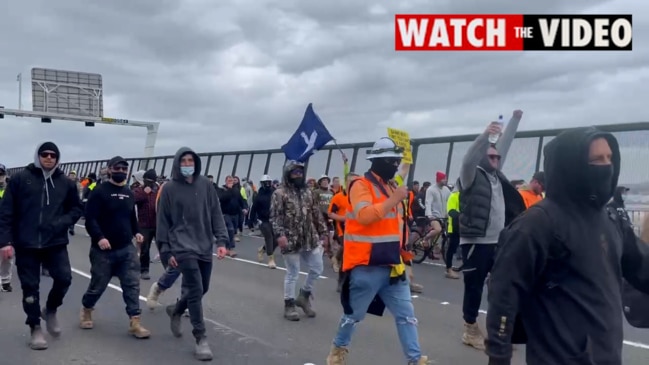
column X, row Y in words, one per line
column 444, row 247
column 417, row 248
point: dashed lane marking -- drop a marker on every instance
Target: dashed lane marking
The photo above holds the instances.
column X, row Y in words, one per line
column 115, row 287
column 248, row 261
column 222, row 328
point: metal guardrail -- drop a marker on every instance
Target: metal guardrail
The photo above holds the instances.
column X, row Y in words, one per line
column 430, row 155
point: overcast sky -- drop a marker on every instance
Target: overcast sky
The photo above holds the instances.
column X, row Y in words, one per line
column 238, row 74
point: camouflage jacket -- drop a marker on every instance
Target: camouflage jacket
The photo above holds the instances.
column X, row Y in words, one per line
column 295, row 214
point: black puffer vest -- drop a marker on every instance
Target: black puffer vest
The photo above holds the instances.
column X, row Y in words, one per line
column 475, row 204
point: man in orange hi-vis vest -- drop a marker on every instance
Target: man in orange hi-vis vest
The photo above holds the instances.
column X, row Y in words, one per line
column 374, row 254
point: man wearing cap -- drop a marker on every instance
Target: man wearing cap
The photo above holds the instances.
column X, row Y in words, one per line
column 145, row 200
column 112, row 224
column 436, row 199
column 38, row 206
column 5, row 264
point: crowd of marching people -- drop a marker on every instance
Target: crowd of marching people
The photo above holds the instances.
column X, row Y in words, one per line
column 558, row 255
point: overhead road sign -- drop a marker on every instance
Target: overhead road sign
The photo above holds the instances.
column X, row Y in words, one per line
column 67, row 92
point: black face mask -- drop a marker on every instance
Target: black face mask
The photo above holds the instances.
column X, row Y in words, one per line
column 118, row 177
column 298, row 182
column 386, row 169
column 600, row 182
column 266, row 185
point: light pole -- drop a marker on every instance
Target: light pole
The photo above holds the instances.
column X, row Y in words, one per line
column 20, row 91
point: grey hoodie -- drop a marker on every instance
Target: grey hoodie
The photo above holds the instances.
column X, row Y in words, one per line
column 189, row 214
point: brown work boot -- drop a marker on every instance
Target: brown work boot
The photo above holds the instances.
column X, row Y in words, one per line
column 472, row 336
column 37, row 341
column 451, row 274
column 271, row 262
column 335, row 264
column 422, row 361
column 290, row 312
column 337, row 356
column 85, row 319
column 135, row 328
column 304, row 301
column 152, row 299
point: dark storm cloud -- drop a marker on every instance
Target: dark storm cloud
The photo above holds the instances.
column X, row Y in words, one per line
column 238, row 74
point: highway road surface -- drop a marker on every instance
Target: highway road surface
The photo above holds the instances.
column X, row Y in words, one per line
column 243, row 310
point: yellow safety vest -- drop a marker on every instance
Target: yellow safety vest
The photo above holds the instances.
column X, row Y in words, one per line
column 2, row 193
column 92, row 186
column 453, row 203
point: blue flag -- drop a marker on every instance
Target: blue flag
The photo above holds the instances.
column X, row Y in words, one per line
column 309, row 137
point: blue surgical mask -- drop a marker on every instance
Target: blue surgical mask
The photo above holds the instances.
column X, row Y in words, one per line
column 187, row 171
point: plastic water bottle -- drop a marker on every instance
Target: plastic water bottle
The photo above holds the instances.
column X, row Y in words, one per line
column 493, row 138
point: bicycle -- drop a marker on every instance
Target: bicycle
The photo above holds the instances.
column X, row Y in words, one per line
column 424, row 247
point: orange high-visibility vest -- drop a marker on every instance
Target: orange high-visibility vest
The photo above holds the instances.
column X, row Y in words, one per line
column 376, row 244
column 157, row 197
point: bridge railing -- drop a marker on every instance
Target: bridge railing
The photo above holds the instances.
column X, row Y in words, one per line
column 430, row 155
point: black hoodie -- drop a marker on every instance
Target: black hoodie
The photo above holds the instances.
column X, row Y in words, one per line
column 261, row 205
column 560, row 267
column 39, row 207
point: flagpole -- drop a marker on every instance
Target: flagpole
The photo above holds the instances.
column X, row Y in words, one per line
column 20, row 91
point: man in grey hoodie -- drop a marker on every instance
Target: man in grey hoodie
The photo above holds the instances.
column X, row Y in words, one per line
column 189, row 218
column 488, row 202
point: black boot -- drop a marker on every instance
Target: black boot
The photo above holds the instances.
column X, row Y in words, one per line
column 304, row 301
column 290, row 312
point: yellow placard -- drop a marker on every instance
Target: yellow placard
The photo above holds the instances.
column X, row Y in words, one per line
column 402, row 139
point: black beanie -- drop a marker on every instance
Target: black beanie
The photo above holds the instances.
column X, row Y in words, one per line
column 150, row 175
column 49, row 146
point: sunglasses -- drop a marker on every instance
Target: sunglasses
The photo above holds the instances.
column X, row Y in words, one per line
column 494, row 157
column 297, row 172
column 120, row 168
column 48, row 155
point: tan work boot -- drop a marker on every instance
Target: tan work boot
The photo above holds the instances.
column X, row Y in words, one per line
column 451, row 274
column 414, row 287
column 85, row 319
column 337, row 356
column 152, row 300
column 422, row 361
column 37, row 341
column 135, row 328
column 335, row 264
column 271, row 262
column 261, row 251
column 473, row 337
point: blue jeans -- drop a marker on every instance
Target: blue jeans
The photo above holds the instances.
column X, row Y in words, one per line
column 170, row 275
column 123, row 263
column 312, row 259
column 231, row 223
column 365, row 283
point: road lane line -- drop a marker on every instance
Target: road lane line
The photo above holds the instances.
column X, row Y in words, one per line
column 221, row 327
column 249, row 261
column 628, row 343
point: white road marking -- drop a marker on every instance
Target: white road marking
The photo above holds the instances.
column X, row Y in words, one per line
column 115, row 287
column 221, row 327
column 248, row 261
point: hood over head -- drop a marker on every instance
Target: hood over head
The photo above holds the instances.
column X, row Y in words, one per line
column 47, row 175
column 566, row 165
column 288, row 167
column 139, row 176
column 175, row 169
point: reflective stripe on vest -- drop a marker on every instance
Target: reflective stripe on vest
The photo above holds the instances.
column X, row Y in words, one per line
column 376, row 244
column 92, row 186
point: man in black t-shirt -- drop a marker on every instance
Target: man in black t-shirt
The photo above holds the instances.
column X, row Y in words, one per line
column 111, row 223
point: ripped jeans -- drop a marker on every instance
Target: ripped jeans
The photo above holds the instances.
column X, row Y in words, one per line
column 365, row 283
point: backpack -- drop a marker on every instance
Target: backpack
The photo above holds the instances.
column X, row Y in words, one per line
column 556, row 268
